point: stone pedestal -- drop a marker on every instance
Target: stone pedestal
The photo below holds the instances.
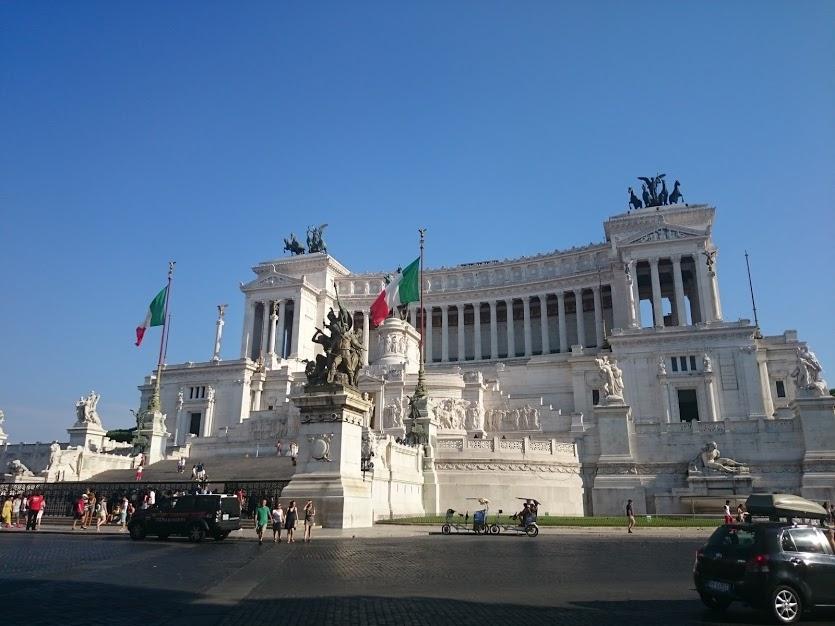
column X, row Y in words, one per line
column 88, row 435
column 817, row 418
column 156, row 437
column 396, row 343
column 329, row 459
column 426, row 425
column 617, row 478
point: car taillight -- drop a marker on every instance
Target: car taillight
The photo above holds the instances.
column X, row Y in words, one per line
column 757, row 563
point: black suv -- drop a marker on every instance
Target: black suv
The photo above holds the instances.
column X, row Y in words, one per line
column 195, row 517
column 780, row 567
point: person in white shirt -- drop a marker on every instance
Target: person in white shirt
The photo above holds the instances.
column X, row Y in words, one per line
column 152, row 498
column 277, row 515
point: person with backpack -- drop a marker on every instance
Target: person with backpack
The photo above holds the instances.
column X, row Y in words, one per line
column 78, row 509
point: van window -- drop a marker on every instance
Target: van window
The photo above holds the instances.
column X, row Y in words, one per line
column 207, row 504
column 739, row 539
column 184, row 504
column 807, row 540
column 231, row 506
column 786, row 543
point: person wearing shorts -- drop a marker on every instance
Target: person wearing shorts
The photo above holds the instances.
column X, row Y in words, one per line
column 277, row 515
column 262, row 518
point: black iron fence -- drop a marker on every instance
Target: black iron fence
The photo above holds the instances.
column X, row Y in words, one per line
column 60, row 497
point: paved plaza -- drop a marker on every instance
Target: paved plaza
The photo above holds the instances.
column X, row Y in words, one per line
column 381, row 576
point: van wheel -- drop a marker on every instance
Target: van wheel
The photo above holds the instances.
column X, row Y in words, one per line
column 786, row 605
column 196, row 534
column 714, row 603
column 137, row 532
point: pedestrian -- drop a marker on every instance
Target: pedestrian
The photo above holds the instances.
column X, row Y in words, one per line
column 309, row 513
column 101, row 514
column 39, row 516
column 277, row 515
column 123, row 514
column 78, row 510
column 278, row 448
column 740, row 513
column 726, row 511
column 262, row 518
column 139, row 471
column 194, row 472
column 35, row 504
column 152, row 497
column 89, row 510
column 294, row 451
column 7, row 512
column 181, row 465
column 290, row 518
column 630, row 516
column 22, row 510
column 16, row 508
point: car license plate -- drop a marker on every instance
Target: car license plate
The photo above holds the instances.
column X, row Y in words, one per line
column 225, row 516
column 718, row 585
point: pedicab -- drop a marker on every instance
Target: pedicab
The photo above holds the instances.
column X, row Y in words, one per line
column 526, row 520
column 461, row 523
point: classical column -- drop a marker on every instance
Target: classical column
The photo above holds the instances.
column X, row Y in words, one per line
column 366, row 336
column 427, row 337
column 710, row 392
column 265, row 332
column 461, row 345
column 543, row 323
column 273, row 323
column 681, row 314
column 581, row 322
column 282, row 304
column 444, row 333
column 477, row 331
column 511, row 334
column 297, row 321
column 526, row 317
column 635, row 293
column 598, row 316
column 713, row 283
column 494, row 331
column 657, row 310
column 561, row 315
column 221, row 309
column 246, row 338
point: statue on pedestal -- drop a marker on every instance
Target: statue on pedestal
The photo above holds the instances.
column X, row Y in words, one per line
column 17, row 468
column 292, row 246
column 2, row 421
column 315, row 240
column 612, row 380
column 710, row 460
column 342, row 358
column 807, row 374
column 85, row 409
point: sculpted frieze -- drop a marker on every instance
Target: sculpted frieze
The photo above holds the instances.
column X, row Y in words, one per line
column 464, row 466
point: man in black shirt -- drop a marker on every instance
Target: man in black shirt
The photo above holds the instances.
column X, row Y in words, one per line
column 630, row 515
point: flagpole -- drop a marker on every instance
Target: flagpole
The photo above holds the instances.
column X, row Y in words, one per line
column 154, row 404
column 751, row 289
column 420, row 389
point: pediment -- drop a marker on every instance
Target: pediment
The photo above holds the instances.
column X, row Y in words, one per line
column 272, row 279
column 665, row 233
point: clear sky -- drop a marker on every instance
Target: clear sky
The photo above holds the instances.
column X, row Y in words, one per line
column 131, row 133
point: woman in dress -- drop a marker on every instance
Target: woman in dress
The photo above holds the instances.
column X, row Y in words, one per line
column 101, row 513
column 290, row 517
column 7, row 512
column 309, row 512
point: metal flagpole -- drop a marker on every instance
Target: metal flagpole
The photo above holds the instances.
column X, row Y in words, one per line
column 751, row 289
column 154, row 404
column 420, row 389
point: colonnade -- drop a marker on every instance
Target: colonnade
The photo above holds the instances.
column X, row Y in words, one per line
column 471, row 335
column 703, row 292
column 267, row 321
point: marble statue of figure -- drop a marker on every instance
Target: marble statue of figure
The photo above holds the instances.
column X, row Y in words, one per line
column 180, row 400
column 54, row 454
column 662, row 366
column 210, row 394
column 17, row 468
column 612, row 379
column 712, row 459
column 475, row 416
column 707, row 363
column 807, row 373
column 85, row 409
column 2, row 421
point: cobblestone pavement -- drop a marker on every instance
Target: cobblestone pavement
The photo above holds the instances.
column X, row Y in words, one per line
column 377, row 577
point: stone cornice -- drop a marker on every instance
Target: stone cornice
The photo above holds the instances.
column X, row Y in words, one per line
column 676, row 334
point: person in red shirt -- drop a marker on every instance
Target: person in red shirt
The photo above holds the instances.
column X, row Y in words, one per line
column 35, row 505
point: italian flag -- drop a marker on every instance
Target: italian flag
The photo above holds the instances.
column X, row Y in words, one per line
column 155, row 315
column 401, row 289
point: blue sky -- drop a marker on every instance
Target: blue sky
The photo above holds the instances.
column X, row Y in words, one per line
column 206, row 131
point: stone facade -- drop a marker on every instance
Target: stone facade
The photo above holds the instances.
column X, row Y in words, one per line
column 511, row 354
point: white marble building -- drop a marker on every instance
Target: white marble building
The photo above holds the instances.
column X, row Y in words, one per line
column 510, row 353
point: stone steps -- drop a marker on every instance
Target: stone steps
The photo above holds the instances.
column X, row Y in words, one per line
column 218, row 469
